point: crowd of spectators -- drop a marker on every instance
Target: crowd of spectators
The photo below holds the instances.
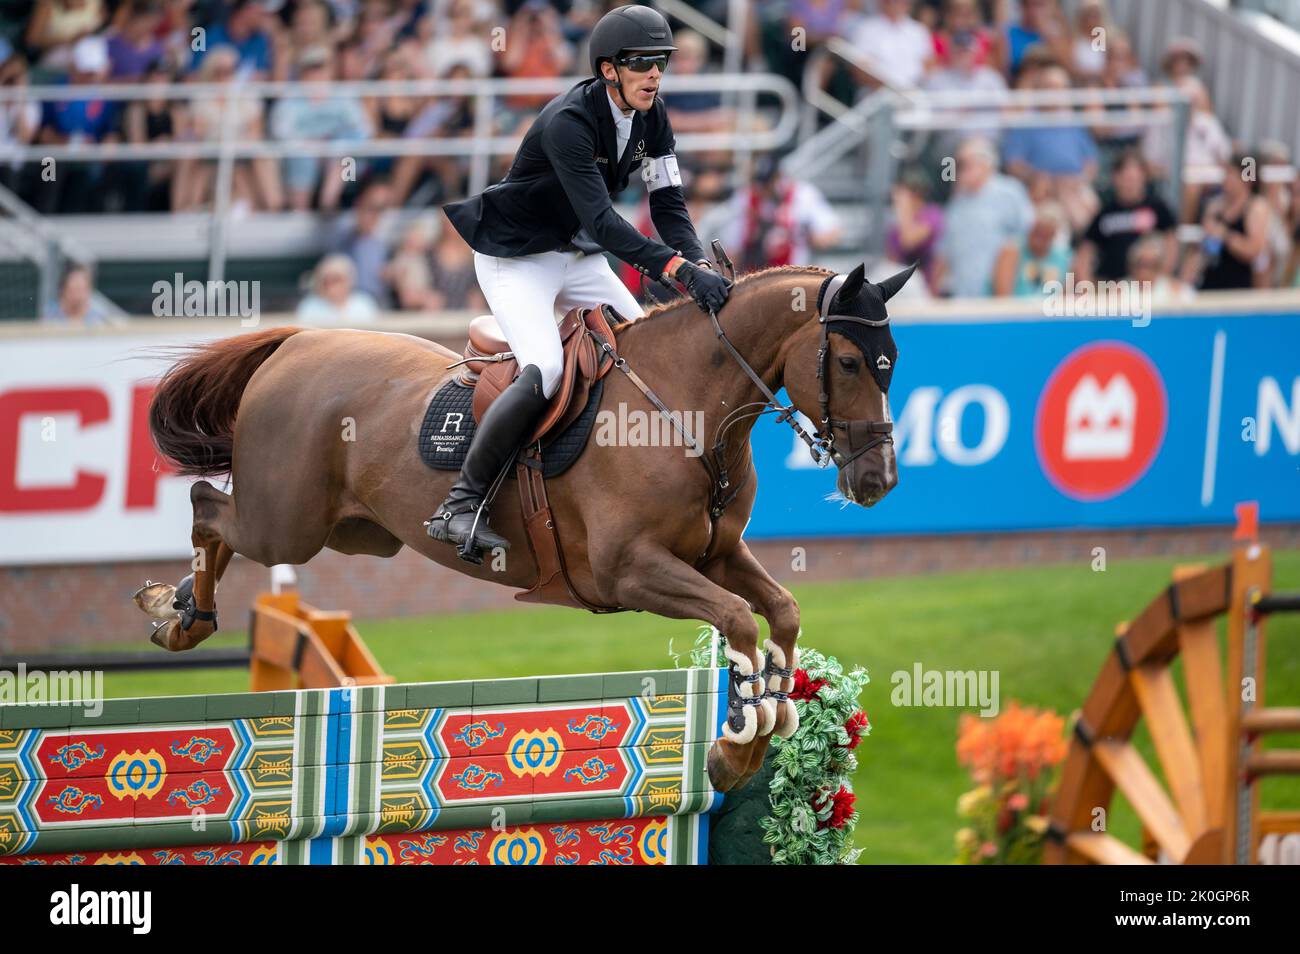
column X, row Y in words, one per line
column 1030, row 204
column 988, row 210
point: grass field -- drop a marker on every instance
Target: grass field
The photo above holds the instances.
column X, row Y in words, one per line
column 1045, row 630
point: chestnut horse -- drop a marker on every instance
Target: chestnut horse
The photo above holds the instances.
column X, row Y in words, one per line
column 319, row 429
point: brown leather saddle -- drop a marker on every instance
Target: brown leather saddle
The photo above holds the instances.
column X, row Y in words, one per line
column 490, row 367
column 587, row 336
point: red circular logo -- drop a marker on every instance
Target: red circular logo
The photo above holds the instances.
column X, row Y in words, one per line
column 1100, row 421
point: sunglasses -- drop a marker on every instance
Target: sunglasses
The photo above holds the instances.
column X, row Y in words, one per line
column 644, row 63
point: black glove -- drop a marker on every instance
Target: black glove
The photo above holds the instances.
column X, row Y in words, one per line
column 707, row 287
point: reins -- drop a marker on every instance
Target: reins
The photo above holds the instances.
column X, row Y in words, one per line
column 821, row 443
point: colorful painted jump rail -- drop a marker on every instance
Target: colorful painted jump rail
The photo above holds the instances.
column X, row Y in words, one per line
column 606, row 768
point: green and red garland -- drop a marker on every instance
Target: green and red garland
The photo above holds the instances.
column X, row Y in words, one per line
column 811, row 815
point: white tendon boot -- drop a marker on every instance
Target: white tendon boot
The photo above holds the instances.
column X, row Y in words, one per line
column 744, row 698
column 778, row 683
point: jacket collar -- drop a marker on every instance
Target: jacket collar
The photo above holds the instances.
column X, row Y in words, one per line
column 599, row 106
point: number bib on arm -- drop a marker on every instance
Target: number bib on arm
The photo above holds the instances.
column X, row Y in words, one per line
column 660, row 173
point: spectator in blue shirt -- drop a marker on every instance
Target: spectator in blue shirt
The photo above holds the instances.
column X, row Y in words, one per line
column 78, row 186
column 984, row 223
column 1056, row 163
column 319, row 116
column 248, row 30
column 82, row 120
column 1041, row 22
column 75, row 304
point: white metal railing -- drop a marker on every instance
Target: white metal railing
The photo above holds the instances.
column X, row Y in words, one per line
column 1286, row 12
column 479, row 148
column 818, row 102
column 1251, row 77
column 731, row 37
column 24, row 231
column 480, row 144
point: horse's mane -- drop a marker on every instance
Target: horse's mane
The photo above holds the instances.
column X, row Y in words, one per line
column 742, row 281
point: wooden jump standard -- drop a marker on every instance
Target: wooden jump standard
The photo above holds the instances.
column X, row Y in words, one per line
column 1209, row 811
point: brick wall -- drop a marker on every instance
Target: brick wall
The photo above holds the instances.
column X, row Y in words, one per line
column 51, row 607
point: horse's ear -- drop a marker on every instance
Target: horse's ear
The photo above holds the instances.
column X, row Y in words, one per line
column 890, row 286
column 852, row 286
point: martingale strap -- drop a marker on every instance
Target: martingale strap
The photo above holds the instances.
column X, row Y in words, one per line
column 675, row 419
column 720, row 483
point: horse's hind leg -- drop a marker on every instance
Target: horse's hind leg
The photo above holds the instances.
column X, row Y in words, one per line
column 189, row 609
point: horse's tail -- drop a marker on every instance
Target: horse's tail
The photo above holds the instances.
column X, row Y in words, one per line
column 192, row 414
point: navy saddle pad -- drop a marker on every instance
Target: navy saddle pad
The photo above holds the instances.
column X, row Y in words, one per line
column 449, row 427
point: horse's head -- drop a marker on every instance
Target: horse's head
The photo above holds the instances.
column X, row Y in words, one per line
column 838, row 374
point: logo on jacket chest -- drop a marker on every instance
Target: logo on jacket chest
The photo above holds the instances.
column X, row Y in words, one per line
column 639, row 153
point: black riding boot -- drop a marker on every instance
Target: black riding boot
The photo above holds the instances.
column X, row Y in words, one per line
column 505, row 426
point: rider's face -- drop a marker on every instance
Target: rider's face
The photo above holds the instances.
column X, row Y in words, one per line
column 639, row 89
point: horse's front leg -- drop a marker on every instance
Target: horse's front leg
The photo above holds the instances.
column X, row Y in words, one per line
column 740, row 572
column 651, row 578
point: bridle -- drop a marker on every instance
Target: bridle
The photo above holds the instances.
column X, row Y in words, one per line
column 872, row 433
column 821, row 442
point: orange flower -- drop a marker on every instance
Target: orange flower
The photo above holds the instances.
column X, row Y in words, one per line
column 1020, row 741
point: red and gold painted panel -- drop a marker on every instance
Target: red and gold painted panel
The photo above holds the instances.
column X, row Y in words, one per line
column 634, row 841
column 348, row 763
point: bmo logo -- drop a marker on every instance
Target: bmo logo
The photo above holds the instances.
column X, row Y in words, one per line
column 1101, row 420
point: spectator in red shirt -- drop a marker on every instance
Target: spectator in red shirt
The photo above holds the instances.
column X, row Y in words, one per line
column 963, row 16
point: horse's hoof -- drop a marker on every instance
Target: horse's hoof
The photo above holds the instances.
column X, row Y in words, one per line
column 787, row 721
column 722, row 775
column 156, row 599
column 170, row 636
column 159, row 635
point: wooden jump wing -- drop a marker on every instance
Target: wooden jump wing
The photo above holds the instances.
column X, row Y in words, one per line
column 1202, row 806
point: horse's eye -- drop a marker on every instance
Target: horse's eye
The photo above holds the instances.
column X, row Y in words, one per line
column 849, row 364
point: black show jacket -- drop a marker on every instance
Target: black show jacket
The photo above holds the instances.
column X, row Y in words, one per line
column 563, row 177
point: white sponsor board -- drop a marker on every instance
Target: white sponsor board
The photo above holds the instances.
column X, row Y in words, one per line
column 80, row 481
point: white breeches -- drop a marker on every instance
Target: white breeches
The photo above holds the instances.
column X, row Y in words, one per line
column 527, row 294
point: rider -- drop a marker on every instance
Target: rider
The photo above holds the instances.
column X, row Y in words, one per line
column 537, row 236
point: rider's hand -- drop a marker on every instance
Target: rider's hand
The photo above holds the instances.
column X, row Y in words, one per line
column 707, row 287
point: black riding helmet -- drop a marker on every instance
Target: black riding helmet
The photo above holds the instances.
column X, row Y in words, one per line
column 631, row 28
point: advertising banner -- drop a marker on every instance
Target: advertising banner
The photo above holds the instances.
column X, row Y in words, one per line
column 1041, row 424
column 999, row 425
